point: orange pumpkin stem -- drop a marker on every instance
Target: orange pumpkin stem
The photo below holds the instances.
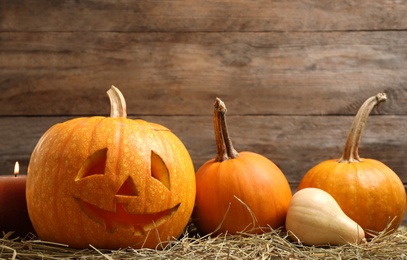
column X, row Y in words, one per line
column 224, row 146
column 117, row 103
column 350, row 152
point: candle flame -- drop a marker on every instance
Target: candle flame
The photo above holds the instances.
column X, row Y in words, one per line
column 16, row 168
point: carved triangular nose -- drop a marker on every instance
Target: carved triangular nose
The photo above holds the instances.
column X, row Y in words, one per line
column 128, row 188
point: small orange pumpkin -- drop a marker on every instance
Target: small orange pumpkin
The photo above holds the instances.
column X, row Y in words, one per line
column 111, row 182
column 238, row 191
column 367, row 190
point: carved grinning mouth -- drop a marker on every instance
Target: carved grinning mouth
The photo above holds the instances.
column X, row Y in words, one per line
column 139, row 223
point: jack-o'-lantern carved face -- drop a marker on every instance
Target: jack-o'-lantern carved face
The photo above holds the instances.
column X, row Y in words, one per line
column 110, row 182
column 129, row 195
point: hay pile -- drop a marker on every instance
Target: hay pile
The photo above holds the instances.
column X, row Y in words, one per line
column 271, row 245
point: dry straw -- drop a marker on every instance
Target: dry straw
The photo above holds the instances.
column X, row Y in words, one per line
column 274, row 244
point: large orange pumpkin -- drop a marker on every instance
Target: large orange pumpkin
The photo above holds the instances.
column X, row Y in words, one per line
column 238, row 191
column 111, row 182
column 367, row 190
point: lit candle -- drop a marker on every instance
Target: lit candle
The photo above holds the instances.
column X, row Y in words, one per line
column 13, row 205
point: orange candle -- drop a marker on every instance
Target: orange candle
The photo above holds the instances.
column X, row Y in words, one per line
column 13, row 205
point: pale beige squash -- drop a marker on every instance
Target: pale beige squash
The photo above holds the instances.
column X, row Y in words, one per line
column 315, row 218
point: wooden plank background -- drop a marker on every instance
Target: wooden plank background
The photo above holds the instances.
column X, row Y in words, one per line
column 292, row 73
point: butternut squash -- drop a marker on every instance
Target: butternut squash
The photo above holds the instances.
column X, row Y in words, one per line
column 315, row 218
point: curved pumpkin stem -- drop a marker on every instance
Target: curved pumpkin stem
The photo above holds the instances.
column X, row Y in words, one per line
column 117, row 103
column 221, row 154
column 224, row 146
column 350, row 152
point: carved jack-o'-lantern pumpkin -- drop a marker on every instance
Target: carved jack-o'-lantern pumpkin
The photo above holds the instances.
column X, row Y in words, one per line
column 111, row 182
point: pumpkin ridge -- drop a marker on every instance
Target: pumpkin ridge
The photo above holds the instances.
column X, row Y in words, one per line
column 60, row 173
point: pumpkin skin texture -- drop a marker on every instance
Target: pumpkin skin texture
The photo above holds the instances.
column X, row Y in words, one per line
column 238, row 192
column 111, row 182
column 367, row 190
column 250, row 177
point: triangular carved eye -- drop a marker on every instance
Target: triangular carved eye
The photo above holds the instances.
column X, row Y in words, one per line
column 95, row 164
column 128, row 188
column 159, row 170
